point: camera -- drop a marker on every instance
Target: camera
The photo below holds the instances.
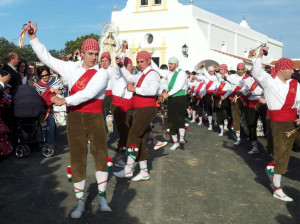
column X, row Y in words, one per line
column 120, row 64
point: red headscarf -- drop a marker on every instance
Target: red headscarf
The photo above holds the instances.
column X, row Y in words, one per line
column 241, row 65
column 143, row 55
column 105, row 55
column 282, row 64
column 89, row 44
column 224, row 67
column 127, row 61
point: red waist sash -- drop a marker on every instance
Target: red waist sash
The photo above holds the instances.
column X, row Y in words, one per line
column 124, row 104
column 283, row 115
column 140, row 101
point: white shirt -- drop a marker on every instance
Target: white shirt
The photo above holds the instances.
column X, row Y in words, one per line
column 275, row 90
column 181, row 80
column 111, row 72
column 202, row 90
column 72, row 71
column 150, row 84
column 256, row 93
column 212, row 87
column 213, row 78
column 119, row 85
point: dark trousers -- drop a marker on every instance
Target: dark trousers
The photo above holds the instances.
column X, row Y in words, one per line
column 82, row 127
column 106, row 105
column 141, row 119
column 176, row 113
column 123, row 122
column 222, row 111
column 209, row 101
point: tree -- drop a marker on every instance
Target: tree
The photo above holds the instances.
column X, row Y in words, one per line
column 73, row 45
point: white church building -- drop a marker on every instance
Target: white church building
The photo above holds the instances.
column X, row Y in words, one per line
column 168, row 28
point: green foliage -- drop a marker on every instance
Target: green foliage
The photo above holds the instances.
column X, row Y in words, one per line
column 73, row 45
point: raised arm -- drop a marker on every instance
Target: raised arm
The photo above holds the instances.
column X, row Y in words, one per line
column 62, row 67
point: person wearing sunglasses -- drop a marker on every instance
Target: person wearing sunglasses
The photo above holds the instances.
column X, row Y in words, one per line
column 47, row 81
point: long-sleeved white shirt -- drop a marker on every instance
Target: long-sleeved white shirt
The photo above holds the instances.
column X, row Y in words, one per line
column 150, row 84
column 111, row 74
column 248, row 83
column 119, row 85
column 202, row 90
column 181, row 80
column 212, row 88
column 275, row 90
column 72, row 71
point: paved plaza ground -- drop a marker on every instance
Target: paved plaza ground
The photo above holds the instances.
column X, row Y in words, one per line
column 209, row 181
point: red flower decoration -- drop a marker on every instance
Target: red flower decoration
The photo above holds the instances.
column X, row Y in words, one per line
column 108, row 159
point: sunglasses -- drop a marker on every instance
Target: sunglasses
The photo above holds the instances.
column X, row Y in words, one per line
column 45, row 75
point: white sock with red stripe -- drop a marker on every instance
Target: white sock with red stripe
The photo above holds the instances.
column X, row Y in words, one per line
column 102, row 177
column 144, row 168
column 79, row 191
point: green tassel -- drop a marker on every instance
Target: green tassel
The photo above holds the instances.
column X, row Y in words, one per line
column 70, row 180
column 110, row 169
column 270, row 173
column 102, row 194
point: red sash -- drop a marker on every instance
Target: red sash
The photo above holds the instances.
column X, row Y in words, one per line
column 220, row 91
column 286, row 113
column 193, row 88
column 198, row 89
column 246, row 76
column 237, row 89
column 108, row 93
column 124, row 104
column 47, row 95
column 209, row 84
column 253, row 87
column 140, row 101
column 90, row 106
column 252, row 103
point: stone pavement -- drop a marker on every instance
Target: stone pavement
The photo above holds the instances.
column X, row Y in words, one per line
column 210, row 181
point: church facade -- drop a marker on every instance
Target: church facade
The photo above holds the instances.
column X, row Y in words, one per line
column 167, row 28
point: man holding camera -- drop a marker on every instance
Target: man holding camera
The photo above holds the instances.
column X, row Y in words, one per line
column 283, row 98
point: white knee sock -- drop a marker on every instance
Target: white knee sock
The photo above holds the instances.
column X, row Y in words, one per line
column 238, row 135
column 129, row 165
column 181, row 133
column 210, row 119
column 175, row 139
column 102, row 177
column 79, row 190
column 276, row 180
column 144, row 168
column 225, row 123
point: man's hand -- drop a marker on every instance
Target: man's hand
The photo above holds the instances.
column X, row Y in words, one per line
column 5, row 79
column 165, row 95
column 58, row 101
column 28, row 27
column 202, row 65
column 297, row 122
column 262, row 100
column 251, row 53
column 223, row 97
column 130, row 87
column 261, row 51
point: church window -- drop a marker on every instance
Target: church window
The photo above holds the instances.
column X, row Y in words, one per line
column 144, row 2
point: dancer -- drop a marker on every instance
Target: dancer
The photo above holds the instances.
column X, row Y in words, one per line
column 85, row 115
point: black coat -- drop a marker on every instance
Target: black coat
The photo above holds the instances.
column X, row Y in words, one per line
column 15, row 78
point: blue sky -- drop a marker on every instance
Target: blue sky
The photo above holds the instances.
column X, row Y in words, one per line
column 63, row 20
